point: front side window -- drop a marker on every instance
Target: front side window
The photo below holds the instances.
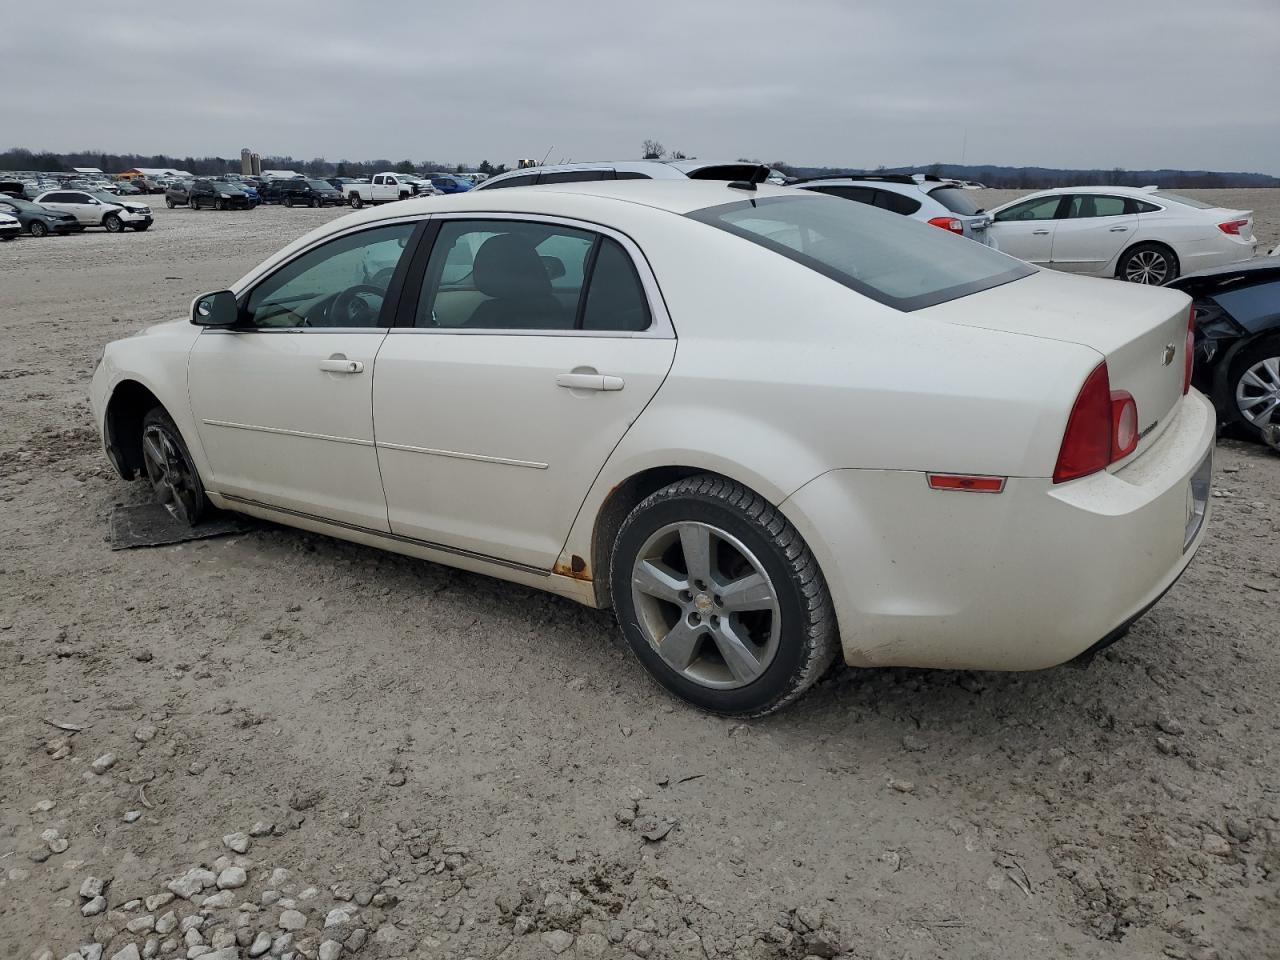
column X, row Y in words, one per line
column 1084, row 206
column 891, row 259
column 342, row 283
column 1045, row 208
column 513, row 275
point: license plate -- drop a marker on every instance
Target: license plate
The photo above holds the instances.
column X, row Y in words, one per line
column 1197, row 500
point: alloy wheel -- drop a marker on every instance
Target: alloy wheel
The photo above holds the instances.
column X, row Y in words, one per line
column 1258, row 393
column 706, row 605
column 1147, row 266
column 170, row 474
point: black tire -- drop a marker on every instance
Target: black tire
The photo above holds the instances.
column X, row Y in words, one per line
column 190, row 505
column 219, row 205
column 357, row 201
column 404, row 195
column 38, row 229
column 1148, row 263
column 315, row 202
column 194, row 203
column 113, row 223
column 1251, row 356
column 288, row 201
column 807, row 639
column 168, row 202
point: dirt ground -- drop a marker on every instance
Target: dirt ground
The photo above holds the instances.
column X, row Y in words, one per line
column 437, row 764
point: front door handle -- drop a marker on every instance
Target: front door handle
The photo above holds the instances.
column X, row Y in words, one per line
column 589, row 381
column 1119, row 229
column 342, row 365
column 1039, row 233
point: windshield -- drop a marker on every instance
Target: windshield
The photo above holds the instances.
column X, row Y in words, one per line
column 1179, row 198
column 891, row 259
column 320, row 185
column 103, row 196
column 956, row 200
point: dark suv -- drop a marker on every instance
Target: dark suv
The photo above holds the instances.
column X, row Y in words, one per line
column 304, row 193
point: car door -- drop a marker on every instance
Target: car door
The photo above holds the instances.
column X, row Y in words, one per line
column 1092, row 232
column 531, row 347
column 283, row 401
column 1025, row 230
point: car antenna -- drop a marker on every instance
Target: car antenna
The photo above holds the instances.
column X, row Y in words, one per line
column 543, row 162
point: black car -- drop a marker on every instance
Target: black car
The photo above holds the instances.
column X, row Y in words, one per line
column 218, row 194
column 37, row 220
column 12, row 188
column 1237, row 355
column 304, row 193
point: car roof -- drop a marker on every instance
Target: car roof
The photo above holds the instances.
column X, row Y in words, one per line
column 654, row 169
column 1101, row 188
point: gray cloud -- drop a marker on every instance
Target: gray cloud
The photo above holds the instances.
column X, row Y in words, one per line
column 1136, row 83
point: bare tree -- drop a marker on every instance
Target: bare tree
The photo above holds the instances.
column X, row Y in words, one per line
column 653, row 150
column 679, row 155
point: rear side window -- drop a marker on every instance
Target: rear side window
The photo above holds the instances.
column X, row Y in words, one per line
column 1140, row 206
column 523, row 181
column 631, row 175
column 897, row 202
column 726, row 171
column 1084, row 206
column 573, row 176
column 857, row 194
column 615, row 299
column 891, row 259
column 956, row 200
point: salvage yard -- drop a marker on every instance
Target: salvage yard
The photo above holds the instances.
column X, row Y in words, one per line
column 440, row 764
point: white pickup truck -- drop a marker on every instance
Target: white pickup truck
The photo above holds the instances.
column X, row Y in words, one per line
column 384, row 188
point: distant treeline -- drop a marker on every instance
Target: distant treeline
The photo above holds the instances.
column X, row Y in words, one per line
column 1014, row 178
column 1041, row 178
column 19, row 158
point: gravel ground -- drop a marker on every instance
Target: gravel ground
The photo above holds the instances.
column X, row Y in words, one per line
column 431, row 763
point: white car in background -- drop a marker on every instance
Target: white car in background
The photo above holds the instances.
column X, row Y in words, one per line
column 1140, row 234
column 701, row 405
column 95, row 209
column 939, row 203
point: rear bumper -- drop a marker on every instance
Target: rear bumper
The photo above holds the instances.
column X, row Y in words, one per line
column 1020, row 580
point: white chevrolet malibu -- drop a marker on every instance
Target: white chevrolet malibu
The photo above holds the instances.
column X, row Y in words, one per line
column 766, row 427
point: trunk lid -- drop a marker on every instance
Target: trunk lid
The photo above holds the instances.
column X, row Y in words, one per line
column 1141, row 332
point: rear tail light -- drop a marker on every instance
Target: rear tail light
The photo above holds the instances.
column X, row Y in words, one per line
column 1190, row 359
column 948, row 223
column 1233, row 227
column 1102, row 428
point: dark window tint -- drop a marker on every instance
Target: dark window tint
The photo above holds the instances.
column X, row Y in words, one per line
column 504, row 275
column 631, row 175
column 1045, row 208
column 1085, row 206
column 857, row 194
column 896, row 261
column 615, row 299
column 1140, row 206
column 572, row 176
column 522, row 181
column 341, row 283
column 956, row 200
column 726, row 171
column 897, row 202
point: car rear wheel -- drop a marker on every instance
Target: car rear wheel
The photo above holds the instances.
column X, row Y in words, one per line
column 113, row 223
column 288, row 201
column 1149, row 263
column 170, row 469
column 356, row 201
column 1255, row 385
column 219, row 205
column 168, row 202
column 315, row 202
column 720, row 599
column 38, row 229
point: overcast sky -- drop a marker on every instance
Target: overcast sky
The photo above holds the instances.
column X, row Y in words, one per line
column 1129, row 83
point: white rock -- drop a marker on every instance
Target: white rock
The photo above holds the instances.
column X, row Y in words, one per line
column 167, row 923
column 309, row 894
column 91, row 951
column 158, row 900
column 74, row 956
column 132, row 816
column 94, row 906
column 239, row 842
column 558, row 941
column 330, row 950
column 130, row 952
column 228, row 953
column 101, row 766
column 218, row 900
column 279, row 877
column 199, row 950
column 339, row 915
column 261, row 944
column 292, row 920
column 91, row 888
column 193, row 922
column 261, row 829
column 44, row 806
column 222, row 938
column 192, row 882
column 232, row 878
column 143, row 924
column 192, row 937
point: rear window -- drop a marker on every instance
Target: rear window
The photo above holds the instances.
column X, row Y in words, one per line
column 894, row 260
column 1179, row 198
column 956, row 200
column 726, row 171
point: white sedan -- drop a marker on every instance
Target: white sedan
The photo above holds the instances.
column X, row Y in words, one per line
column 766, row 427
column 1140, row 234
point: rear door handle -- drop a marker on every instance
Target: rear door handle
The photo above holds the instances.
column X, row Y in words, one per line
column 342, row 365
column 1119, row 229
column 1039, row 233
column 589, row 381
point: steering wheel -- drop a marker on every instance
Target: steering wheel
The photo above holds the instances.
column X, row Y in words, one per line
column 348, row 310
